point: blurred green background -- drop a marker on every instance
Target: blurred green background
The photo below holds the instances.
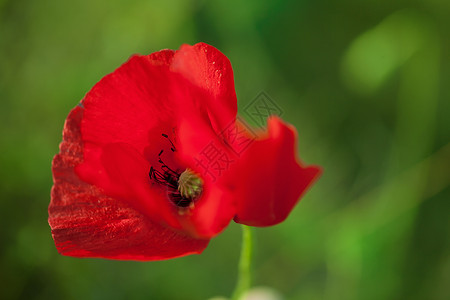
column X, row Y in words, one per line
column 366, row 83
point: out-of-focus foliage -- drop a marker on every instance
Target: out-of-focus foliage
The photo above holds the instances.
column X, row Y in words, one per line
column 365, row 82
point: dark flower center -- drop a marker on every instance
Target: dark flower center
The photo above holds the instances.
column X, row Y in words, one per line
column 183, row 188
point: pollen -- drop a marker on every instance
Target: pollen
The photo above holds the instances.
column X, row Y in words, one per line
column 190, row 185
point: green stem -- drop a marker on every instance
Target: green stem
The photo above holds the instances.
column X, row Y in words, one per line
column 244, row 273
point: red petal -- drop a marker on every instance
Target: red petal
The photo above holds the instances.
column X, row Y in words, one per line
column 209, row 69
column 217, row 206
column 127, row 104
column 87, row 223
column 123, row 173
column 144, row 94
column 124, row 116
column 269, row 179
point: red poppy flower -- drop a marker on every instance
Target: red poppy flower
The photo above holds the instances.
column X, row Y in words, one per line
column 148, row 167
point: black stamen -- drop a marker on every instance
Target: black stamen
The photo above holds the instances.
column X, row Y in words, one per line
column 173, row 146
column 169, row 178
